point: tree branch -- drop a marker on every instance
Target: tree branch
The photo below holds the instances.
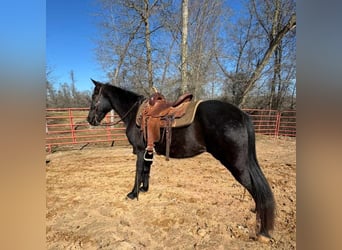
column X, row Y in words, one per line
column 291, row 24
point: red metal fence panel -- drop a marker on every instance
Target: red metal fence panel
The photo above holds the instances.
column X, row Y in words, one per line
column 265, row 121
column 68, row 126
column 287, row 123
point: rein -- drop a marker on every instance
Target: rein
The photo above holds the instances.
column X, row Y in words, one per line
column 123, row 117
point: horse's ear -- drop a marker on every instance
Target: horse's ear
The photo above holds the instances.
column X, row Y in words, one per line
column 96, row 83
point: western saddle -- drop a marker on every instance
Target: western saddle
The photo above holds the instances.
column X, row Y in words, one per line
column 156, row 113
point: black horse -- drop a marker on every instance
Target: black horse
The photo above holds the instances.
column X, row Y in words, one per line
column 219, row 128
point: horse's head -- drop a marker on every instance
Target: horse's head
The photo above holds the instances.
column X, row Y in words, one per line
column 100, row 104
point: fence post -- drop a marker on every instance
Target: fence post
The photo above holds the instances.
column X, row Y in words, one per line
column 72, row 126
column 276, row 132
column 112, row 113
column 108, row 128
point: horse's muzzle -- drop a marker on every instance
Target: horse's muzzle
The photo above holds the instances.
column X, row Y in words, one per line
column 92, row 121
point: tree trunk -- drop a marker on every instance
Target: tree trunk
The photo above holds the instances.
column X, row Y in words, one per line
column 273, row 45
column 184, row 47
column 148, row 46
column 277, row 53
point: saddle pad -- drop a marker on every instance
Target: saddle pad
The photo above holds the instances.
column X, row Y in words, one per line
column 185, row 120
column 189, row 116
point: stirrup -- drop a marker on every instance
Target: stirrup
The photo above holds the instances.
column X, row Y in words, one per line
column 149, row 154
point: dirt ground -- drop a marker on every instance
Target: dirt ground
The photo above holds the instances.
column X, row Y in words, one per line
column 192, row 203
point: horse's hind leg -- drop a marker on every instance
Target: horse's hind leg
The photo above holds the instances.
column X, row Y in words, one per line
column 250, row 176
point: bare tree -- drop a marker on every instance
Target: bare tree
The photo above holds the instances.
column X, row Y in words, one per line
column 263, row 39
column 237, row 78
column 145, row 18
column 145, row 10
column 51, row 95
column 123, row 54
column 118, row 31
column 66, row 95
column 126, row 48
column 278, row 33
column 203, row 34
column 184, row 47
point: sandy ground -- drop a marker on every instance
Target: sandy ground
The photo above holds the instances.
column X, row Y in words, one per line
column 192, row 203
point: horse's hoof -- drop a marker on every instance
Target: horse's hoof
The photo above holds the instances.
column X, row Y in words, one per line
column 263, row 239
column 131, row 195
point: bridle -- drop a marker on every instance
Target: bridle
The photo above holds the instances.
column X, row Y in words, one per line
column 97, row 103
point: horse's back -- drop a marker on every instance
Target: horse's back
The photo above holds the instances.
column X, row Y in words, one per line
column 215, row 112
column 225, row 128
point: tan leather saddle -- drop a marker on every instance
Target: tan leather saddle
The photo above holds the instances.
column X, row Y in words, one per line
column 157, row 113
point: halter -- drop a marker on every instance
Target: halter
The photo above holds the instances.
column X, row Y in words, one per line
column 111, row 123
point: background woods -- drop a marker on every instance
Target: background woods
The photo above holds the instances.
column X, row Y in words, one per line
column 241, row 51
column 66, row 95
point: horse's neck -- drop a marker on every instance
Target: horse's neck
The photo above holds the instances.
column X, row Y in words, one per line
column 122, row 101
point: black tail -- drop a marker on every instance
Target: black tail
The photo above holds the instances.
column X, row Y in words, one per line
column 261, row 191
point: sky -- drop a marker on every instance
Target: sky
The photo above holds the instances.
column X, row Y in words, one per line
column 71, row 31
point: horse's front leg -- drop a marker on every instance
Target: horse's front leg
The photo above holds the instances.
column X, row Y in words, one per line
column 146, row 176
column 138, row 175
